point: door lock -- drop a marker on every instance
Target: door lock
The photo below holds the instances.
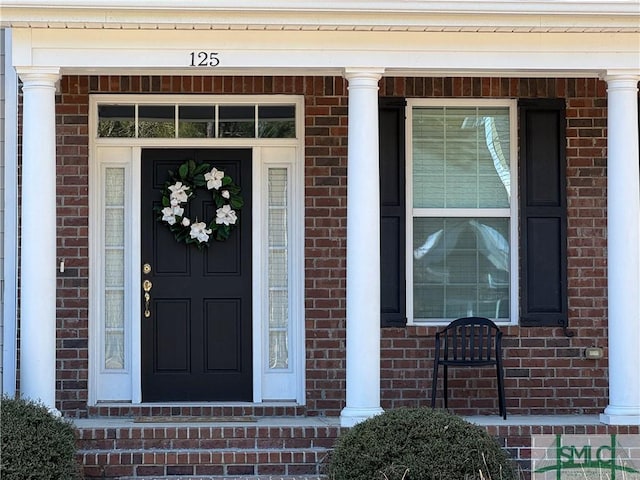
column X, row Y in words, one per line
column 146, row 269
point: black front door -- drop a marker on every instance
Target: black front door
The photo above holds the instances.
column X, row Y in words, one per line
column 196, row 331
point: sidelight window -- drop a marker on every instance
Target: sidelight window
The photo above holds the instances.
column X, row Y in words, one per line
column 114, row 268
column 278, row 268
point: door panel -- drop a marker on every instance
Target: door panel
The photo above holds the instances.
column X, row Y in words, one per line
column 223, row 322
column 196, row 343
column 172, row 335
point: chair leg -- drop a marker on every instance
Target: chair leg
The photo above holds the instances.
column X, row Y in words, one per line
column 501, row 398
column 445, row 386
column 434, row 386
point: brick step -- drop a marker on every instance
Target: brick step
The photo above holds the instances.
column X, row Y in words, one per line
column 267, row 448
column 225, row 464
column 119, row 410
column 226, row 477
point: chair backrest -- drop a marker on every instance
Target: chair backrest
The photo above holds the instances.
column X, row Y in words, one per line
column 468, row 341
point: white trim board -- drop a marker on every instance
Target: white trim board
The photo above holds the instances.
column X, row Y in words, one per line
column 441, row 53
column 10, row 254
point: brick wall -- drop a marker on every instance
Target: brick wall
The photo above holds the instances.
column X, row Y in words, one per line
column 72, row 119
column 545, row 370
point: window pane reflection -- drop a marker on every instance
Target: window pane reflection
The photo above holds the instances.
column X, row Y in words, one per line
column 461, row 267
column 237, row 121
column 156, row 121
column 276, row 121
column 116, row 121
column 196, row 121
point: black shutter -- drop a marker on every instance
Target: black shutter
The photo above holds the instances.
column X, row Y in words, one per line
column 543, row 214
column 392, row 212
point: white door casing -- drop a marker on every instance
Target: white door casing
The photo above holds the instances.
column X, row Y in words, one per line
column 278, row 189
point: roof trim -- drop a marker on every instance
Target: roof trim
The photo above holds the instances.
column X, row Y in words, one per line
column 397, row 15
column 607, row 7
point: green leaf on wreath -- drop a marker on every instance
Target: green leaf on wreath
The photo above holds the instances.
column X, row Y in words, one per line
column 202, row 168
column 183, row 171
column 199, row 181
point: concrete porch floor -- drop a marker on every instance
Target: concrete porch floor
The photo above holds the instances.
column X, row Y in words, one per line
column 281, row 421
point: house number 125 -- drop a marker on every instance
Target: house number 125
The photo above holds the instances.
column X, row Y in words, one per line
column 204, row 59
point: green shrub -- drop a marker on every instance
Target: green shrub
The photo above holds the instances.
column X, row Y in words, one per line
column 35, row 444
column 418, row 444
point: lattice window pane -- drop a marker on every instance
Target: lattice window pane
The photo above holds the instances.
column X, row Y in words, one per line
column 114, row 187
column 114, row 268
column 114, row 309
column 114, row 227
column 114, row 330
column 277, row 227
column 114, row 350
column 278, row 268
column 278, row 187
column 278, row 350
column 278, row 309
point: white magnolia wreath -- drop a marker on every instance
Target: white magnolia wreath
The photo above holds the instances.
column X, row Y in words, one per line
column 181, row 188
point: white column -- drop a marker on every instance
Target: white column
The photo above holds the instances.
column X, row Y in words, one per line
column 363, row 250
column 38, row 237
column 623, row 237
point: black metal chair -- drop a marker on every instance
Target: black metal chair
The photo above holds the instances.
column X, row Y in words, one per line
column 469, row 342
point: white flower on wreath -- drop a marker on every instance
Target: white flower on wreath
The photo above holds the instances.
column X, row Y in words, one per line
column 226, row 216
column 200, row 232
column 169, row 214
column 179, row 192
column 186, row 222
column 214, row 178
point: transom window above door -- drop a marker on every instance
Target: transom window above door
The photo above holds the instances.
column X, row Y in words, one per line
column 462, row 201
column 195, row 120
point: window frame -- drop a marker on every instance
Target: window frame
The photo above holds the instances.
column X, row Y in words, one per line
column 511, row 212
column 215, row 101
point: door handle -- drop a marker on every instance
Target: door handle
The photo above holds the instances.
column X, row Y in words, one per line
column 146, row 286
